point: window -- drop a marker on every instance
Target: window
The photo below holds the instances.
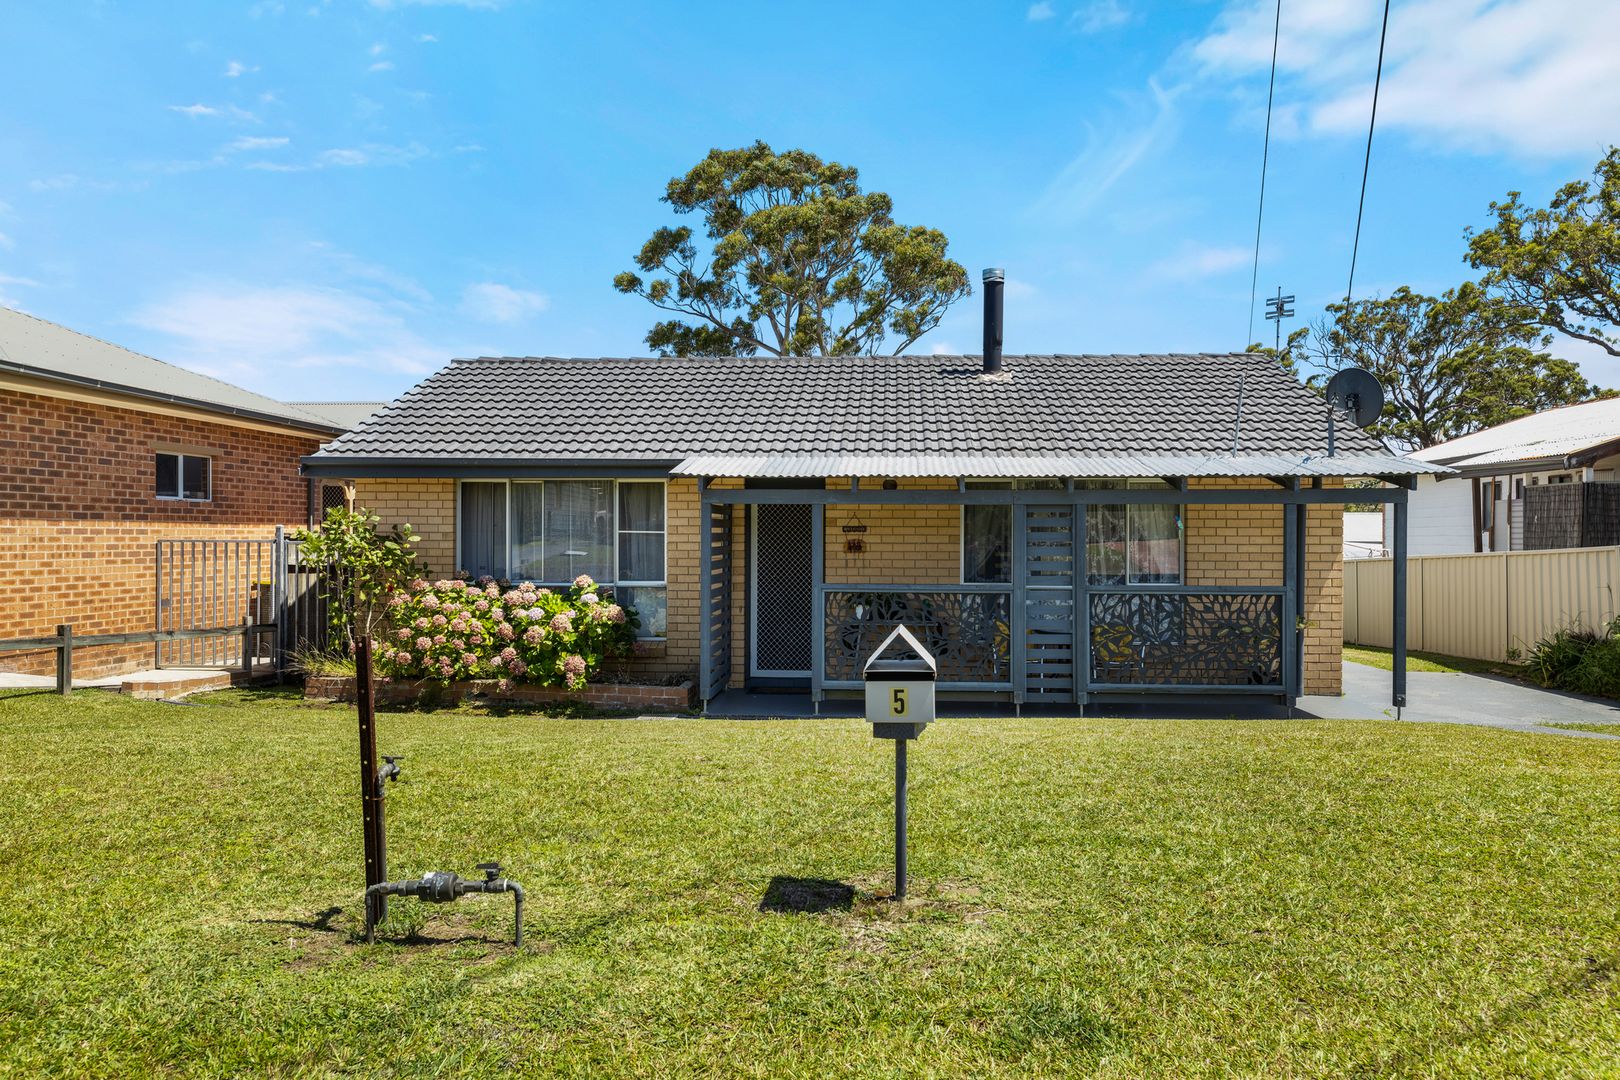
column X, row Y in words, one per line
column 1125, row 545
column 184, row 476
column 551, row 531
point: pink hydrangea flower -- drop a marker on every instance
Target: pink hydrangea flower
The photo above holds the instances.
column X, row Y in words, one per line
column 563, row 622
column 402, row 657
column 519, row 668
column 424, row 643
column 430, row 601
column 482, row 605
column 492, row 589
column 459, row 626
column 509, row 654
column 422, row 623
column 438, row 639
column 512, row 596
column 459, row 645
column 573, row 665
column 469, row 659
column 485, row 580
column 476, row 638
column 590, row 599
column 440, row 620
column 543, row 592
column 505, row 631
column 615, row 614
column 584, row 582
column 396, row 601
column 534, row 635
column 403, row 633
column 418, row 584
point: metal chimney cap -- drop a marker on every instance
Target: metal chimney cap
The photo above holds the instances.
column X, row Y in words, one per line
column 995, row 273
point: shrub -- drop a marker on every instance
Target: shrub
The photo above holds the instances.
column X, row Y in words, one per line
column 362, row 567
column 448, row 630
column 1578, row 660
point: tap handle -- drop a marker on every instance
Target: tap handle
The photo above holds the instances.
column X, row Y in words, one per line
column 492, row 870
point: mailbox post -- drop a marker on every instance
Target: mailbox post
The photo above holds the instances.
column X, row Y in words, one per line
column 899, row 704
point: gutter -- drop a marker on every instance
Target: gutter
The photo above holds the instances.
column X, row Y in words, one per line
column 371, row 468
column 310, row 425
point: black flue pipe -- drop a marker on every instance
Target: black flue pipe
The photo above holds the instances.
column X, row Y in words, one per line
column 994, row 280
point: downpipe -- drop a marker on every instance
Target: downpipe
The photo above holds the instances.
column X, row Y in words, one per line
column 442, row 887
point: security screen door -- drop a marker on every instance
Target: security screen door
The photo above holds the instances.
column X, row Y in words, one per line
column 781, row 621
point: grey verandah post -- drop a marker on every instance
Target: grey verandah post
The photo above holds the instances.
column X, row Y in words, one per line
column 1290, row 609
column 1398, row 672
column 706, row 602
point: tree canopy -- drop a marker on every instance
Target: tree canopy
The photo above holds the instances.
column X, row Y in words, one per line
column 1450, row 365
column 798, row 261
column 1560, row 263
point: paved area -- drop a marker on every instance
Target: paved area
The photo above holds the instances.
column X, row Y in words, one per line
column 1482, row 700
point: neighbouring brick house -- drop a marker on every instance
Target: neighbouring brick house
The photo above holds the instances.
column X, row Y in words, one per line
column 105, row 452
column 772, row 518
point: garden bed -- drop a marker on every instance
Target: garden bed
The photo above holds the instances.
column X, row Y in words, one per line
column 605, row 695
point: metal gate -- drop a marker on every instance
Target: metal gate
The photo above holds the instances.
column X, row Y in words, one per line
column 1048, row 598
column 204, row 584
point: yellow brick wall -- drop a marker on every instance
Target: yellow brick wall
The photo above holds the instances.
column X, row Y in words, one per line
column 1225, row 545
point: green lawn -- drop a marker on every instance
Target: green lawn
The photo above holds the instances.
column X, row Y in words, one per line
column 1105, row 897
column 1376, row 657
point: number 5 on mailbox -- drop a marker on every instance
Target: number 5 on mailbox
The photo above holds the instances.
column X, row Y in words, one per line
column 900, row 677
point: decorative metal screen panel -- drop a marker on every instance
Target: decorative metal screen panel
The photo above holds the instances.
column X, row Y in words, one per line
column 967, row 632
column 783, row 605
column 717, row 601
column 1186, row 638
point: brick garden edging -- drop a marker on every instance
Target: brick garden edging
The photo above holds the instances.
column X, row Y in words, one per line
column 409, row 692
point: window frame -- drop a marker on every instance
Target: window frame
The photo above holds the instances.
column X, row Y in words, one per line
column 509, row 483
column 180, row 457
column 993, row 483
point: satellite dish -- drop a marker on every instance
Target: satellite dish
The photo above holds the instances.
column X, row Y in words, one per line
column 1356, row 391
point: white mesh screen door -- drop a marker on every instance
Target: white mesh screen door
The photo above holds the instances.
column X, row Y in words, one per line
column 781, row 616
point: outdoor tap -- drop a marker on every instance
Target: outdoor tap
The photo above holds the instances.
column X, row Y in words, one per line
column 389, row 770
column 443, row 886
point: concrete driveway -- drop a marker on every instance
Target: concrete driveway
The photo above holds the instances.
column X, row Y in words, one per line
column 1482, row 700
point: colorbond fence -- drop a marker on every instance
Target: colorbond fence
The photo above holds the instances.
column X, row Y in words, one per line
column 1483, row 606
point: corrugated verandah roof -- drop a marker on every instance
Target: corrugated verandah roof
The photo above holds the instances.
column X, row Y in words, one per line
column 1071, row 415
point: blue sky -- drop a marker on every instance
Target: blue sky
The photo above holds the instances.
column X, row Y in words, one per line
column 330, row 199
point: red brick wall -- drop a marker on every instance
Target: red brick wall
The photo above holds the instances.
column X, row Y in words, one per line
column 79, row 518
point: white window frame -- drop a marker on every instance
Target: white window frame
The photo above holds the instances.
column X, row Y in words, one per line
column 180, row 476
column 613, row 499
column 1181, row 534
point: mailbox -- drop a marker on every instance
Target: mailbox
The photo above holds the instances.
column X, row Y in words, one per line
column 900, row 677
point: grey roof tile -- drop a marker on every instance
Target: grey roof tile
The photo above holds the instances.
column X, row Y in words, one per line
column 542, row 409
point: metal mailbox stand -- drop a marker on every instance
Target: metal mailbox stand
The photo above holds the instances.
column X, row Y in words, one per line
column 899, row 704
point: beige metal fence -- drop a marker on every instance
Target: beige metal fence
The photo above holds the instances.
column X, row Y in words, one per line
column 1483, row 606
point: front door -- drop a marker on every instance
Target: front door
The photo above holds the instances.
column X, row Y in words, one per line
column 781, row 607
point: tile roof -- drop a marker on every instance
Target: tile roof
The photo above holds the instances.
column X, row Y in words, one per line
column 666, row 410
column 31, row 346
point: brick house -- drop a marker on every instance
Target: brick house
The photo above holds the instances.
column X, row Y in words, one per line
column 105, row 452
column 771, row 519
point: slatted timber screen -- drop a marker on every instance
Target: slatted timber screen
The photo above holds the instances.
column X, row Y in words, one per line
column 717, row 599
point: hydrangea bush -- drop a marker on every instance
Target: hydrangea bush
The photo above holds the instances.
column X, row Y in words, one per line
column 449, row 630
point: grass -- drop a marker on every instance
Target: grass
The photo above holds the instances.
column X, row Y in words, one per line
column 1105, row 897
column 1601, row 728
column 1384, row 659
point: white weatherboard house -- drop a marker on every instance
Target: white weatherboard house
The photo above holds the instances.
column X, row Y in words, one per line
column 1554, row 472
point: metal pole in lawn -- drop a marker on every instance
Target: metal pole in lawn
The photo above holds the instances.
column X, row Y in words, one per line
column 371, row 803
column 900, row 819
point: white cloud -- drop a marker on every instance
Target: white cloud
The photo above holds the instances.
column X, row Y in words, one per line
column 943, row 348
column 1108, row 156
column 425, row 39
column 259, row 142
column 494, row 302
column 236, row 69
column 377, row 49
column 60, row 182
column 255, row 334
column 1100, row 15
column 198, row 110
column 1535, row 77
column 1040, row 12
column 1195, row 262
column 382, row 65
column 7, row 243
column 349, row 157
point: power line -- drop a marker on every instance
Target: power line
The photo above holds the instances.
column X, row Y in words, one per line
column 1366, row 163
column 1265, row 157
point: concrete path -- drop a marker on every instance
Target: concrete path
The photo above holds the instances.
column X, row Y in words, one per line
column 1482, row 700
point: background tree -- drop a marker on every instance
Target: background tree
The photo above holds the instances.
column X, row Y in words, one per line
column 1450, row 365
column 800, row 262
column 1562, row 263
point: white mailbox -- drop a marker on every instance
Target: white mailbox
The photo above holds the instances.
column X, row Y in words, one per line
column 900, row 677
